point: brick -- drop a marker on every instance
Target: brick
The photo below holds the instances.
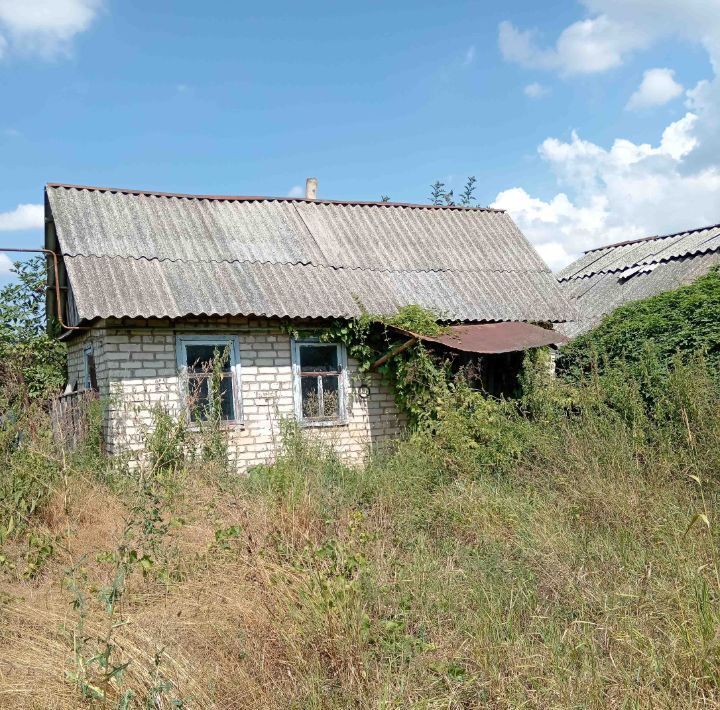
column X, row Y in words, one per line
column 267, row 362
column 265, row 377
column 137, row 383
column 115, row 356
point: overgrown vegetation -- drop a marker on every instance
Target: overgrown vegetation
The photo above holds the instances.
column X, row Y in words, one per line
column 440, row 196
column 27, row 350
column 681, row 321
column 543, row 554
column 415, row 377
column 557, row 551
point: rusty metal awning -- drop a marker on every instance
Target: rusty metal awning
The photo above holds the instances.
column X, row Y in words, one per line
column 493, row 338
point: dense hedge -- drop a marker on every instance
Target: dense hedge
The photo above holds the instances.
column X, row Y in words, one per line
column 683, row 321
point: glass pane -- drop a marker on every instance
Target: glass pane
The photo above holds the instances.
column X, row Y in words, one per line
column 310, row 399
column 199, row 358
column 200, row 403
column 318, row 358
column 331, row 397
column 91, row 373
column 198, row 398
column 227, row 402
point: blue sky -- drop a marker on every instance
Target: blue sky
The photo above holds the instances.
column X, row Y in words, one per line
column 534, row 99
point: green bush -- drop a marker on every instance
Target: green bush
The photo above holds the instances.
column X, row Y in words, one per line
column 167, row 441
column 28, row 466
column 476, row 435
column 27, row 350
column 651, row 332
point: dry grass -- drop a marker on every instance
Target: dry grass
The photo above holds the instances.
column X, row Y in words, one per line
column 576, row 580
column 214, row 624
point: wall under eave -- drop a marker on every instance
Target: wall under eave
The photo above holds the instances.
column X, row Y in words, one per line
column 137, row 370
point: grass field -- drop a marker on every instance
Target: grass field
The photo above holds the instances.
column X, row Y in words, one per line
column 561, row 556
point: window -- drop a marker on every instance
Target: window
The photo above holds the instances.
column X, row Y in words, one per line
column 211, row 376
column 89, row 373
column 320, row 381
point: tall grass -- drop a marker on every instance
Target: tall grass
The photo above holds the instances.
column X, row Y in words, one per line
column 562, row 553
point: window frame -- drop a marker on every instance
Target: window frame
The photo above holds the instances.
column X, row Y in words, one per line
column 342, row 418
column 181, row 343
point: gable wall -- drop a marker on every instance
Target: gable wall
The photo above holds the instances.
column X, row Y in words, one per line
column 137, row 370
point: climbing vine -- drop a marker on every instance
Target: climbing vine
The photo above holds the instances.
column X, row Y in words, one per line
column 418, row 377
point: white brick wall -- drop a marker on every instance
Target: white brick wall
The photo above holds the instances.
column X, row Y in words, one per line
column 137, row 370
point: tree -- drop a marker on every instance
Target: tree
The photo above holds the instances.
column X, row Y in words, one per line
column 437, row 193
column 440, row 196
column 30, row 356
column 467, row 195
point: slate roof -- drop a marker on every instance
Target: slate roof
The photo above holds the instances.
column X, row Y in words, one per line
column 143, row 254
column 607, row 277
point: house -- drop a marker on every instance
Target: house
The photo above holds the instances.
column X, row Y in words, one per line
column 150, row 285
column 607, row 277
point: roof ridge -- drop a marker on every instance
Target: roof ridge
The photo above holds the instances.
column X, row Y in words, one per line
column 300, row 263
column 636, row 264
column 652, row 238
column 267, row 198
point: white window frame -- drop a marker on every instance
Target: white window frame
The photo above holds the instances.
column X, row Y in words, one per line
column 88, row 352
column 341, row 419
column 222, row 341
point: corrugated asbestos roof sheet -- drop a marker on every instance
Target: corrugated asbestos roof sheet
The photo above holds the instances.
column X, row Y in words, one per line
column 131, row 253
column 600, row 292
column 651, row 250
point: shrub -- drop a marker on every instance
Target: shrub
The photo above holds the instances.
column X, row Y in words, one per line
column 685, row 321
column 28, row 467
column 476, row 435
column 167, row 440
column 27, row 350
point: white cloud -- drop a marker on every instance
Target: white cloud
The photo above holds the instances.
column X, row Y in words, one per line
column 469, row 55
column 44, row 27
column 22, row 217
column 658, row 86
column 613, row 30
column 6, row 265
column 627, row 189
column 585, row 47
column 617, row 193
column 296, row 191
column 695, row 20
column 536, row 90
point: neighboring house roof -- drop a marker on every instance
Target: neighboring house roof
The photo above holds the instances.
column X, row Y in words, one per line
column 607, row 277
column 143, row 254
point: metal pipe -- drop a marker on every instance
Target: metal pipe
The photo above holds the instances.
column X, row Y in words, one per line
column 58, row 302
